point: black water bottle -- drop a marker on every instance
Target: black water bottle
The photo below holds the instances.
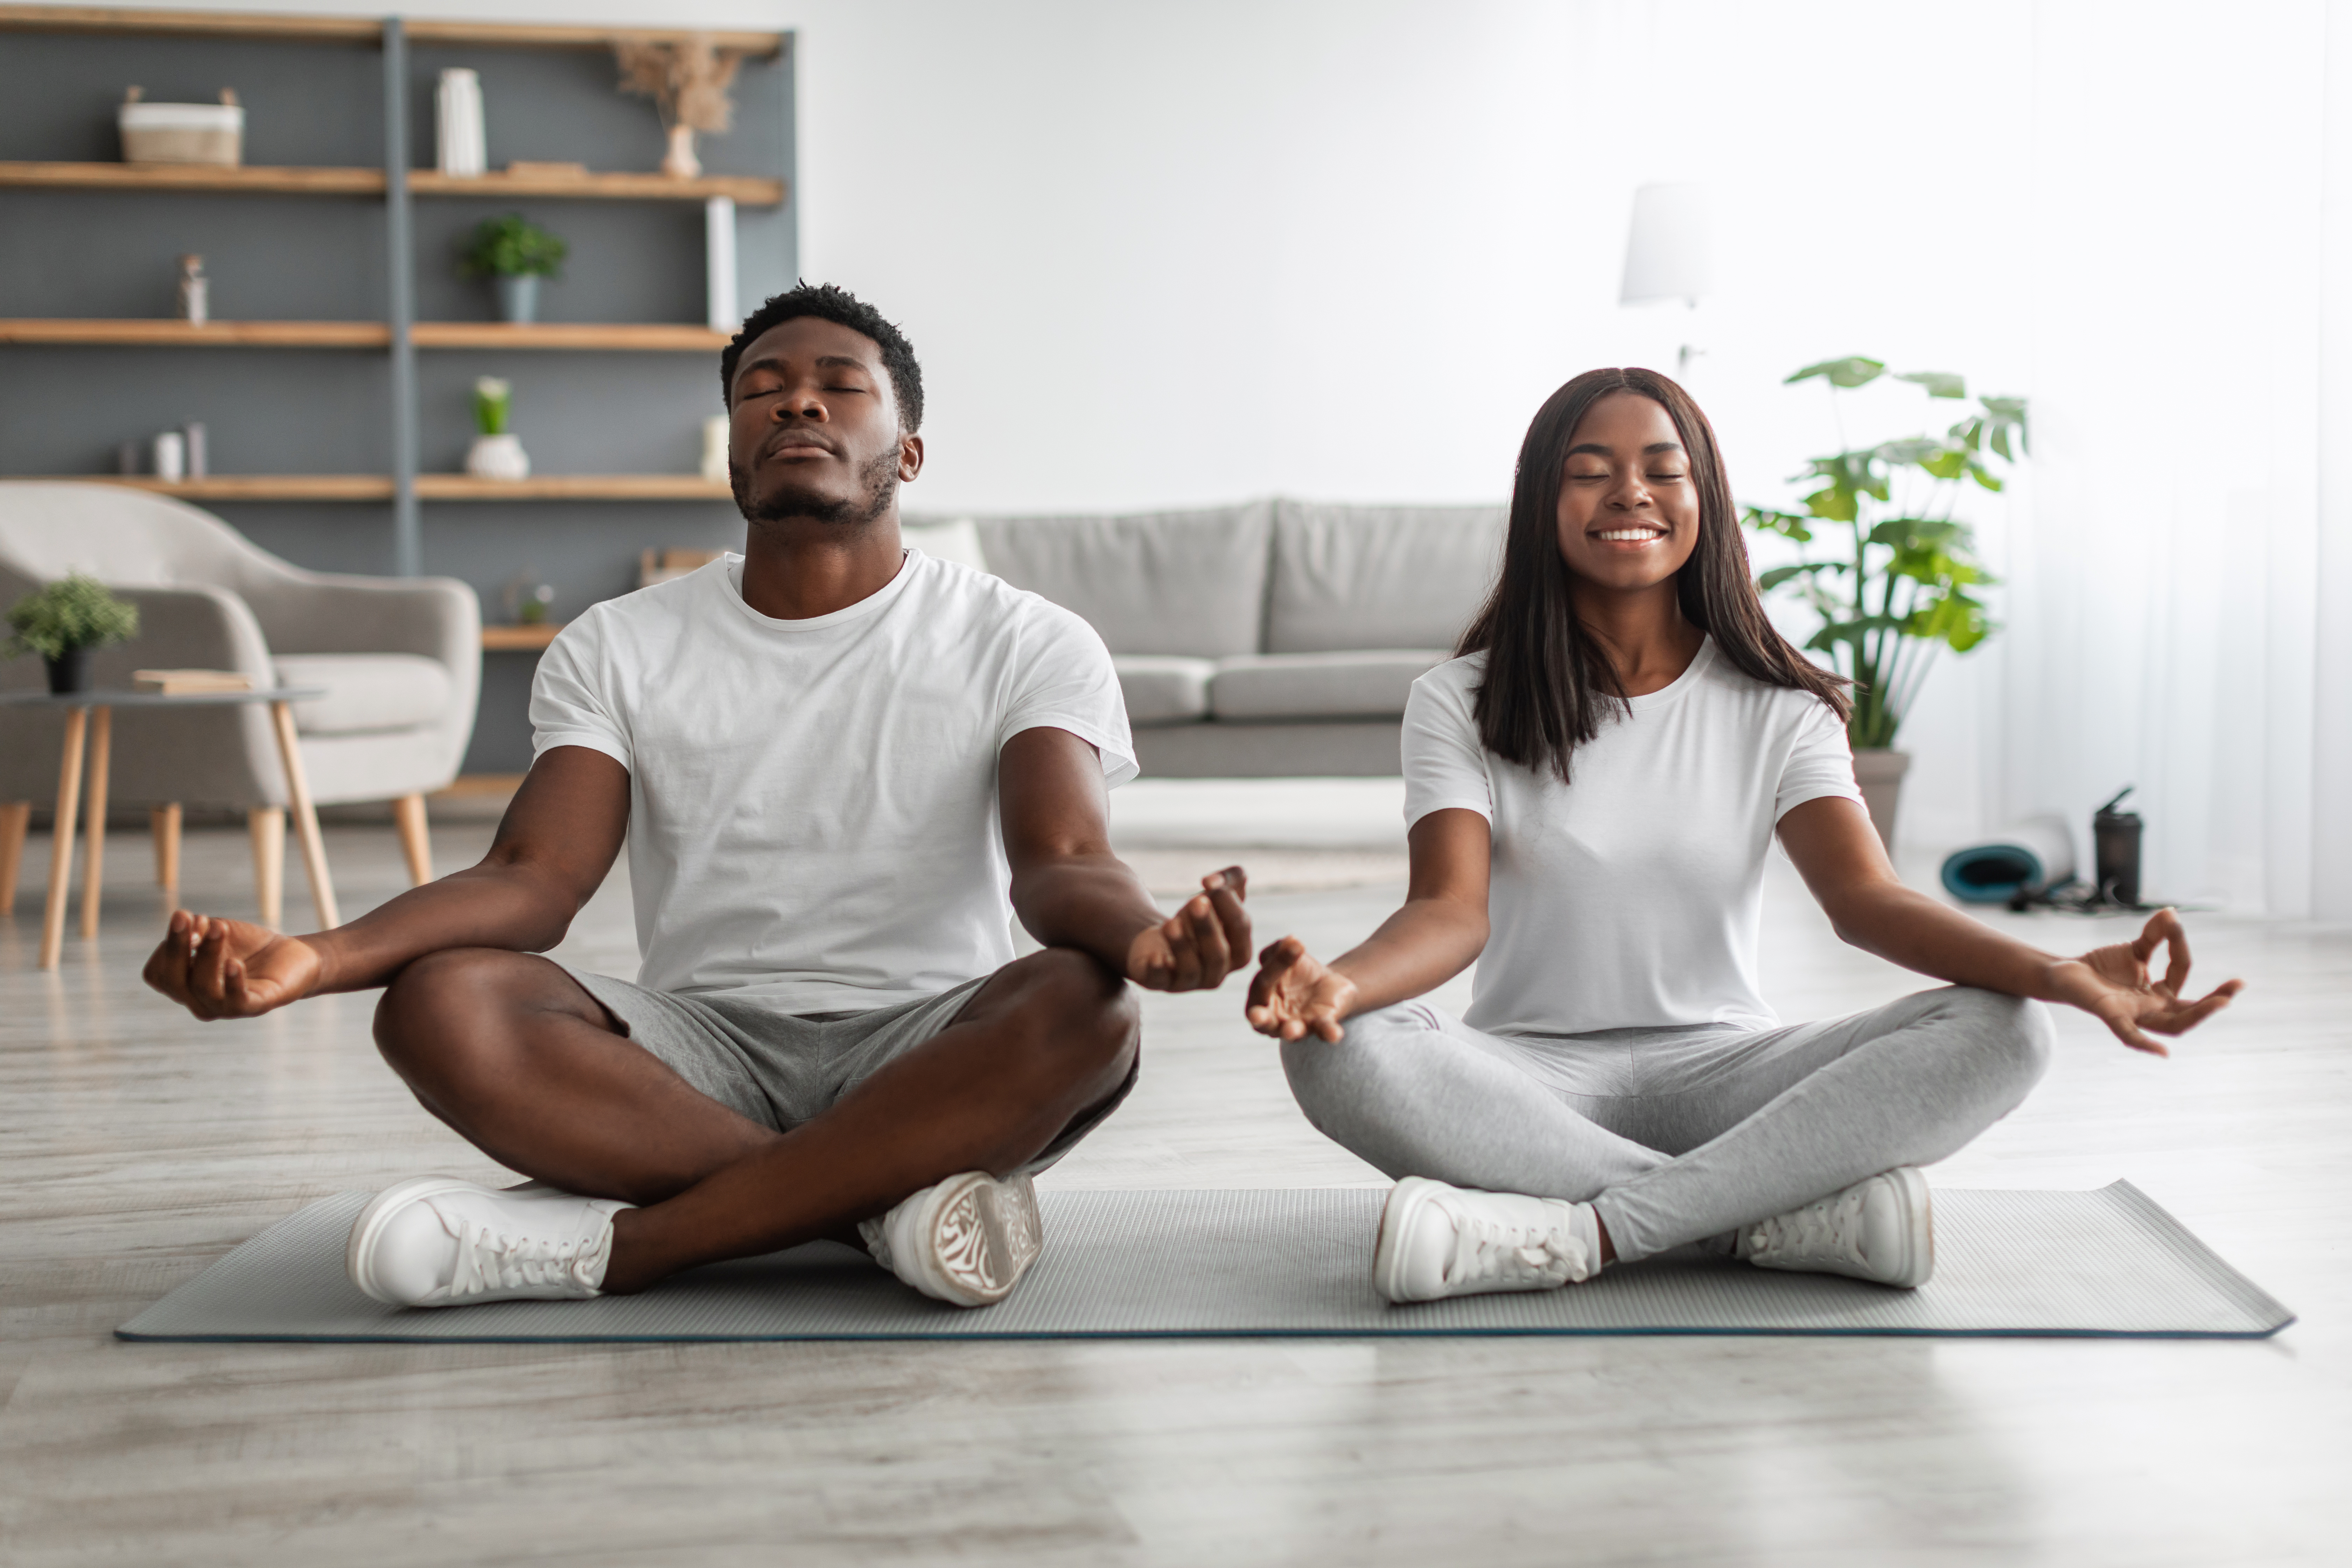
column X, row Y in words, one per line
column 2114, row 851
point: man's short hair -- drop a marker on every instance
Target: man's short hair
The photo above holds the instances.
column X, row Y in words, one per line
column 827, row 302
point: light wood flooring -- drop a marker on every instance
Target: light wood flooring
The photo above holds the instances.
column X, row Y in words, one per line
column 137, row 1146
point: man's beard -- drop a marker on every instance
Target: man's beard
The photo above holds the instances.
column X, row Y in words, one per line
column 879, row 485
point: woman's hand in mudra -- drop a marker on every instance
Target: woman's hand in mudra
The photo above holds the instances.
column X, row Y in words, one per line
column 2112, row 985
column 1295, row 994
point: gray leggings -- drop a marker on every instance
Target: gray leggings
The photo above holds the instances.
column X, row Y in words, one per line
column 1674, row 1136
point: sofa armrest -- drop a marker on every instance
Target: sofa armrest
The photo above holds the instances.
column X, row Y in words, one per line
column 436, row 618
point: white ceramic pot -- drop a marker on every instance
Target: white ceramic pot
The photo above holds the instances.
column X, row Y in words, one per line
column 680, row 161
column 498, row 457
column 1880, row 773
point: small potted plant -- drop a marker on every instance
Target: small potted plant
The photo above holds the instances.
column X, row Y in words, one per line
column 514, row 253
column 497, row 452
column 65, row 620
column 1895, row 587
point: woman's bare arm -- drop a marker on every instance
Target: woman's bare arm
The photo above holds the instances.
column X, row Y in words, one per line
column 1438, row 934
column 1837, row 852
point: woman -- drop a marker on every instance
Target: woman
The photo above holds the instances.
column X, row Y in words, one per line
column 1591, row 790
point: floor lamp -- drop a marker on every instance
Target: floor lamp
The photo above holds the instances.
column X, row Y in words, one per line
column 1669, row 251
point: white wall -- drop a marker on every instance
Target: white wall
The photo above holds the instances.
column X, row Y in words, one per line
column 1159, row 254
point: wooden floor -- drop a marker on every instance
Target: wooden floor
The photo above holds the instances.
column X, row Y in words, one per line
column 139, row 1145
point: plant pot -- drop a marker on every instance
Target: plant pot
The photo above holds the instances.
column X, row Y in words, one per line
column 1880, row 773
column 498, row 457
column 519, row 299
column 68, row 672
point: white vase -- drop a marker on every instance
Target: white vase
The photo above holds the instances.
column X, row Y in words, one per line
column 498, row 457
column 680, row 162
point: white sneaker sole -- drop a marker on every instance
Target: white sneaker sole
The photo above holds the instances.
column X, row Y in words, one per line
column 359, row 1253
column 978, row 1237
column 1404, row 1200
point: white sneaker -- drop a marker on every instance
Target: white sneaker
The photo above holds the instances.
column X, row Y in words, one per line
column 1881, row 1230
column 1438, row 1241
column 435, row 1241
column 967, row 1240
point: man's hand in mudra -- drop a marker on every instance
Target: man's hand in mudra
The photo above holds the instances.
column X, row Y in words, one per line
column 218, row 968
column 2114, row 985
column 1195, row 948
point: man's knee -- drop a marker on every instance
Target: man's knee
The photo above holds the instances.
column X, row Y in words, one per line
column 1076, row 1019
column 445, row 1009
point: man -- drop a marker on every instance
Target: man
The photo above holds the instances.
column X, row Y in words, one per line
column 829, row 757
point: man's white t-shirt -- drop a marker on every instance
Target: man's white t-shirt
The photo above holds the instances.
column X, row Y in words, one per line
column 1630, row 897
column 813, row 804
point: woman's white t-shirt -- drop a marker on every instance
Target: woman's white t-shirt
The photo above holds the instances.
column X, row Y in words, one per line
column 1630, row 897
column 813, row 804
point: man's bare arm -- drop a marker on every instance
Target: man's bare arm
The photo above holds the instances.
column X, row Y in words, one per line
column 1070, row 890
column 553, row 850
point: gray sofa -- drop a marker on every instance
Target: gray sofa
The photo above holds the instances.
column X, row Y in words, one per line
column 1274, row 638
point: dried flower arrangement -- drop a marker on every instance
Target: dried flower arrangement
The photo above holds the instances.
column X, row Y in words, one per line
column 688, row 81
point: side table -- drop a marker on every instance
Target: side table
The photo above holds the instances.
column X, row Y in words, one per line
column 89, row 725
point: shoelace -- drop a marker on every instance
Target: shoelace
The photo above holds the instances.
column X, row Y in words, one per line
column 488, row 1260
column 1489, row 1250
column 1816, row 1231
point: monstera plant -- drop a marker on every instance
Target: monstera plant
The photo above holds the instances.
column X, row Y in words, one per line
column 1894, row 583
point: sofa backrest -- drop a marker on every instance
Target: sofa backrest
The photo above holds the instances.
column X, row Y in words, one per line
column 1346, row 577
column 1165, row 582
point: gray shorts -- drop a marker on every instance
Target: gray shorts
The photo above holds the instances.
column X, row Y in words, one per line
column 781, row 1070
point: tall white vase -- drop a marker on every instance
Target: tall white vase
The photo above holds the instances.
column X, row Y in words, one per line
column 464, row 143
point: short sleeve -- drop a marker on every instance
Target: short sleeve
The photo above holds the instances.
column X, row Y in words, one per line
column 1064, row 680
column 1445, row 764
column 570, row 705
column 1820, row 762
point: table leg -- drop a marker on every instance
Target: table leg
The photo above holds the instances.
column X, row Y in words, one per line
column 93, row 872
column 15, row 817
column 163, row 823
column 267, row 825
column 305, row 818
column 61, row 838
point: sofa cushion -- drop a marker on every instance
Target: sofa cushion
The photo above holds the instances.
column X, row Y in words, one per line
column 1189, row 583
column 1365, row 684
column 1377, row 576
column 365, row 691
column 1163, row 688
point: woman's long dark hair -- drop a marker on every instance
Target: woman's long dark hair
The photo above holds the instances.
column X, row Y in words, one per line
column 1548, row 682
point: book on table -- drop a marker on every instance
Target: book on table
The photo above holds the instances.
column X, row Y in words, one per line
column 190, row 682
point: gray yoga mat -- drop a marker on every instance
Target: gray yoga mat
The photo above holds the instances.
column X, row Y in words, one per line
column 1291, row 1261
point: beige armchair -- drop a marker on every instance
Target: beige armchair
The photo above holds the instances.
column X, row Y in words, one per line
column 400, row 660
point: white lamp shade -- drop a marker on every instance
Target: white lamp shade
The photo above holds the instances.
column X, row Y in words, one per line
column 1670, row 252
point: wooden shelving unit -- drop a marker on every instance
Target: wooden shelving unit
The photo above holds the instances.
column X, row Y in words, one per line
column 165, row 333
column 594, row 185
column 518, row 639
column 359, row 30
column 243, row 487
column 646, row 336
column 285, row 180
column 570, row 487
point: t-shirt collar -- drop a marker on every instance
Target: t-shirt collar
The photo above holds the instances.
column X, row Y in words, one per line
column 732, row 585
column 1682, row 683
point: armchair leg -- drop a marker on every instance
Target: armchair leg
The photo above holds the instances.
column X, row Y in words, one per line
column 15, row 817
column 415, row 841
column 268, row 825
column 163, row 821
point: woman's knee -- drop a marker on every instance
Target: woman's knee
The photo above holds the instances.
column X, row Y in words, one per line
column 2012, row 1035
column 1339, row 1079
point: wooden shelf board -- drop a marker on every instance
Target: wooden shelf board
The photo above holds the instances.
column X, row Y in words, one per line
column 161, row 332
column 190, row 24
column 571, row 486
column 660, row 335
column 366, row 30
column 275, row 181
column 501, row 34
column 243, row 487
column 512, row 639
column 750, row 190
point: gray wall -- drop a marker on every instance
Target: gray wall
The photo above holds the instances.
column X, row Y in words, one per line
column 107, row 254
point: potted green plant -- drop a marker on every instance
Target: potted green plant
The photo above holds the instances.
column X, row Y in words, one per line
column 497, row 452
column 63, row 621
column 514, row 253
column 1895, row 590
